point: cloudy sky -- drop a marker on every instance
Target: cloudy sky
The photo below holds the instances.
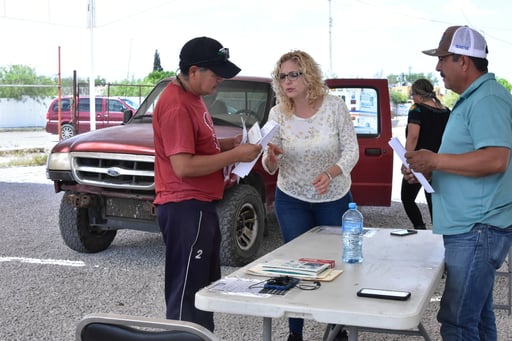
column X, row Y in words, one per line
column 366, row 38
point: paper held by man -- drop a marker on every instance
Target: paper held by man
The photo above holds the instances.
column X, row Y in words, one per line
column 400, row 151
column 255, row 135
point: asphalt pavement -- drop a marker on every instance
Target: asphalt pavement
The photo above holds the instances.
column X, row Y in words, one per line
column 26, row 139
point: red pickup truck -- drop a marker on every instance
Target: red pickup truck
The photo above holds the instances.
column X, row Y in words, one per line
column 108, row 175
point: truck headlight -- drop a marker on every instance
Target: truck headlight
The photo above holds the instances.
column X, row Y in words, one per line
column 59, row 161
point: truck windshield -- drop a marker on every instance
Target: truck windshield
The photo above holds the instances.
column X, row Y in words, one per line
column 234, row 102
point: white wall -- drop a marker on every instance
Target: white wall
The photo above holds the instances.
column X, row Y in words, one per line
column 26, row 113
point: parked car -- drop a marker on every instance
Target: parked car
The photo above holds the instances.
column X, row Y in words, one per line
column 131, row 102
column 108, row 175
column 75, row 117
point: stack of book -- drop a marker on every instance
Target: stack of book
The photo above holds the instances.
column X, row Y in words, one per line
column 296, row 268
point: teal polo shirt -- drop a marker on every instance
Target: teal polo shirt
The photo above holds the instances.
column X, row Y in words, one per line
column 482, row 117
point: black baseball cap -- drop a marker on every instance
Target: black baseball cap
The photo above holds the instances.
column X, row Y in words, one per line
column 209, row 53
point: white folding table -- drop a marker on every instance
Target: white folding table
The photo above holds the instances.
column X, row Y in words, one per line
column 412, row 263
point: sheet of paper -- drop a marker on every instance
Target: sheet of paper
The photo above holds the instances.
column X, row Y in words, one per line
column 400, row 151
column 238, row 286
column 254, row 134
column 244, row 131
column 242, row 169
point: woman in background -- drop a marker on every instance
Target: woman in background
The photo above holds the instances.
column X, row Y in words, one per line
column 425, row 127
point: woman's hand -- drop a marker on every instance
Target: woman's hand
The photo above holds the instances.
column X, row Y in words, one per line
column 322, row 183
column 274, row 153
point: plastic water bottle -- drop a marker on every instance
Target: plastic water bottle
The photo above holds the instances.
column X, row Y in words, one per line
column 352, row 234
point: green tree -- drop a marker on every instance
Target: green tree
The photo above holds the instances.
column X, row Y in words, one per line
column 137, row 88
column 505, row 83
column 450, row 98
column 19, row 81
column 398, row 97
column 155, row 76
column 156, row 62
column 404, row 79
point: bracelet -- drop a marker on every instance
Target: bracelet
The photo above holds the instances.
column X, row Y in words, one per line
column 329, row 175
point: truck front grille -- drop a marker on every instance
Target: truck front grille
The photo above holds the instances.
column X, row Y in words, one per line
column 111, row 170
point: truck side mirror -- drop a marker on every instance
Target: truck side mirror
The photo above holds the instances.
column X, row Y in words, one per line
column 127, row 115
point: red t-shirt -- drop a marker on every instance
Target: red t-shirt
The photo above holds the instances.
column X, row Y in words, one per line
column 182, row 124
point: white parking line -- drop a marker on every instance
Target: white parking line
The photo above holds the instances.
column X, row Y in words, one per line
column 61, row 262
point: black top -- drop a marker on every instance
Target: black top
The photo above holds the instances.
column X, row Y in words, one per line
column 432, row 122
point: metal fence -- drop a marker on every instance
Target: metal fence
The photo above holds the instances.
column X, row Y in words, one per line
column 27, row 107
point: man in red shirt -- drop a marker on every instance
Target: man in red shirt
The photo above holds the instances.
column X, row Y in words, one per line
column 188, row 176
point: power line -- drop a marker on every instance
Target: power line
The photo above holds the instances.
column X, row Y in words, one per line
column 38, row 22
column 137, row 13
column 485, row 30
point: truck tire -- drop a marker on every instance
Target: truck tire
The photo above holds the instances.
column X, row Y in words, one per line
column 242, row 224
column 76, row 231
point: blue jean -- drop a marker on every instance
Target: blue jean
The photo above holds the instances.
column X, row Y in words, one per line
column 296, row 217
column 466, row 311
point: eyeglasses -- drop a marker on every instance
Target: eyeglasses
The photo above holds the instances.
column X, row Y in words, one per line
column 292, row 75
column 303, row 285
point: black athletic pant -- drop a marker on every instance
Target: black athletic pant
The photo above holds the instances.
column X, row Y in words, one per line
column 408, row 195
column 191, row 234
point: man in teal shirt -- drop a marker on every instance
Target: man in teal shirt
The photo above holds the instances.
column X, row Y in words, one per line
column 472, row 179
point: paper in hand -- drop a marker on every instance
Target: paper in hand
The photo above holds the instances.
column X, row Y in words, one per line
column 257, row 136
column 400, row 151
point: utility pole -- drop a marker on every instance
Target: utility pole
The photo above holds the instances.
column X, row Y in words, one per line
column 91, row 8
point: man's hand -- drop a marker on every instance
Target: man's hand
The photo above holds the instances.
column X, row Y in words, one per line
column 247, row 152
column 422, row 161
column 230, row 142
column 237, row 139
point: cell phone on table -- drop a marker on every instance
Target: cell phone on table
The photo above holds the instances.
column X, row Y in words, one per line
column 384, row 294
column 403, row 232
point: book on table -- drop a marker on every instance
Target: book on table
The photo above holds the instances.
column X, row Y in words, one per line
column 296, row 268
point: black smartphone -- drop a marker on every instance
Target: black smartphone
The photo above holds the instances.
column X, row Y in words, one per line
column 384, row 293
column 403, row 232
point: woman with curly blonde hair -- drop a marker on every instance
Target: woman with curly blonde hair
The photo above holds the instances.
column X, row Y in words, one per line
column 315, row 87
column 315, row 150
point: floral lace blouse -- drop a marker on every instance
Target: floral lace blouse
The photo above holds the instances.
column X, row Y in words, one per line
column 312, row 145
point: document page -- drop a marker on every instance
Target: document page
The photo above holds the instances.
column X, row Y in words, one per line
column 400, row 151
column 238, row 286
column 256, row 135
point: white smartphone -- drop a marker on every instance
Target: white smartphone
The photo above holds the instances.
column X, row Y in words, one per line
column 384, row 293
